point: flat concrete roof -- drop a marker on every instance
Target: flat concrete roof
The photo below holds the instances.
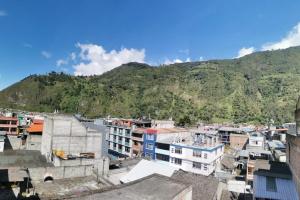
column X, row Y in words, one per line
column 153, row 187
column 22, row 159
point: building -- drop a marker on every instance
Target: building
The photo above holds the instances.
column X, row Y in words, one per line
column 162, row 124
column 157, row 141
column 256, row 140
column 293, row 147
column 66, row 141
column 125, row 137
column 225, row 132
column 34, row 135
column 198, row 154
column 238, row 141
column 9, row 125
column 119, row 138
column 273, row 180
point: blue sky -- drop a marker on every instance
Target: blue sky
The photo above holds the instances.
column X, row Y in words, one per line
column 94, row 36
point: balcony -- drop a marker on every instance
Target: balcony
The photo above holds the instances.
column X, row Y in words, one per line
column 120, row 150
column 137, row 139
column 162, row 151
column 127, row 144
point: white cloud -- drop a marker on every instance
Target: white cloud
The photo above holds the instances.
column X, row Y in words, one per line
column 46, row 54
column 95, row 59
column 245, row 51
column 169, row 62
column 73, row 56
column 290, row 40
column 61, row 62
column 3, row 13
column 201, row 58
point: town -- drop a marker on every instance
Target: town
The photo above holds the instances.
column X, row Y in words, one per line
column 60, row 156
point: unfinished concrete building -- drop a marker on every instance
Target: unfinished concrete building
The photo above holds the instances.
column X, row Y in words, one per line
column 66, row 141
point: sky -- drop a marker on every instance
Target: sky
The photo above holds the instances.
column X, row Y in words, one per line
column 94, row 36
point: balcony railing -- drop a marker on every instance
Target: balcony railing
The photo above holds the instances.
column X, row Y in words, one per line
column 127, row 144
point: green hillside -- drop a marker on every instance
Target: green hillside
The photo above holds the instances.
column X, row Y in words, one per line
column 255, row 88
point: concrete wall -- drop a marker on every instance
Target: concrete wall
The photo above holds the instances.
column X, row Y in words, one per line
column 33, row 142
column 67, row 134
column 293, row 157
column 39, row 174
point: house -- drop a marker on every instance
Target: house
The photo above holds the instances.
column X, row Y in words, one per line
column 273, row 180
column 34, row 135
column 199, row 153
column 9, row 125
column 125, row 137
column 256, row 139
column 157, row 141
column 238, row 141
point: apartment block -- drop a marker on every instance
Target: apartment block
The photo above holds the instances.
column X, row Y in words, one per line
column 9, row 125
column 198, row 154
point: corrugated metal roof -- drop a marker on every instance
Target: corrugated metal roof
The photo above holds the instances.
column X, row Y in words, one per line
column 285, row 189
column 145, row 168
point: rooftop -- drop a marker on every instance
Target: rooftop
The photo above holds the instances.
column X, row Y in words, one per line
column 165, row 130
column 272, row 169
column 152, row 187
column 145, row 168
column 204, row 187
column 23, row 159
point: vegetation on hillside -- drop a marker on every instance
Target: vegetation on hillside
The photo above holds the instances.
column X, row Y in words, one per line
column 253, row 89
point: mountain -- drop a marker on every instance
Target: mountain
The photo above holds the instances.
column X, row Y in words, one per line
column 253, row 89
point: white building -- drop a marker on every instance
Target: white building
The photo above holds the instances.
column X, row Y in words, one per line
column 257, row 140
column 198, row 154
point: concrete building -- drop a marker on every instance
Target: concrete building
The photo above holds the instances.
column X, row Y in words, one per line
column 257, row 140
column 119, row 138
column 34, row 135
column 9, row 125
column 238, row 141
column 293, row 147
column 225, row 132
column 68, row 142
column 162, row 124
column 198, row 154
column 157, row 141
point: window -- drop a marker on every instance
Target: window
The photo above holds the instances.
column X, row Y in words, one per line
column 127, row 149
column 197, row 165
column 177, row 161
column 127, row 140
column 150, row 137
column 127, row 131
column 115, row 145
column 162, row 157
column 135, row 143
column 115, row 130
column 148, row 155
column 271, row 184
column 205, row 155
column 205, row 167
column 197, row 153
column 178, row 150
column 172, row 150
column 149, row 146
